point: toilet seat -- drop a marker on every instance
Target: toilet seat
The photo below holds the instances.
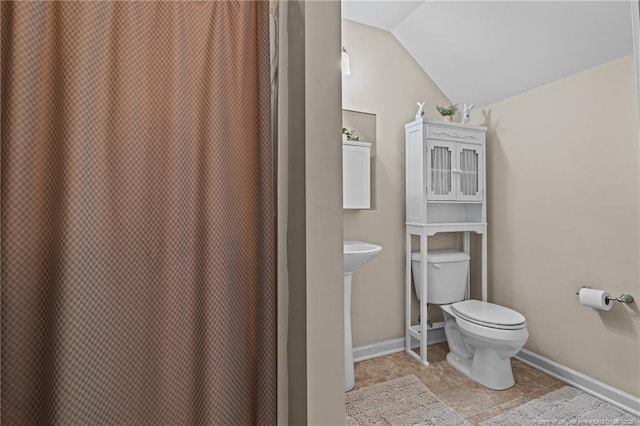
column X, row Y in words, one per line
column 490, row 315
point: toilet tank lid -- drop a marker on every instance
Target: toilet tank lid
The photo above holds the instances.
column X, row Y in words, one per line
column 442, row 256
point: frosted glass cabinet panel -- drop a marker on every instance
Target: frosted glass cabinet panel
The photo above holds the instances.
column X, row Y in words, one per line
column 469, row 172
column 454, row 171
column 440, row 170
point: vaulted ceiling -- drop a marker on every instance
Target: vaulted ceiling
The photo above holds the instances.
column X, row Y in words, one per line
column 484, row 51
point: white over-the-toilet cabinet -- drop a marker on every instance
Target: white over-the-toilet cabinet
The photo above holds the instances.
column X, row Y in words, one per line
column 445, row 192
column 445, row 163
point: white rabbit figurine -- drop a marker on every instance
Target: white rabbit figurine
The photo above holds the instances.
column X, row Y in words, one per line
column 466, row 113
column 420, row 112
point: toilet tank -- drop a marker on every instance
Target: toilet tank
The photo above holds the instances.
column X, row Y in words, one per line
column 447, row 272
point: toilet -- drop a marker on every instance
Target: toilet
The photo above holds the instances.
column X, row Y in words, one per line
column 482, row 336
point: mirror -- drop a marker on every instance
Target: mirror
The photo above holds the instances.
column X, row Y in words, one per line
column 363, row 124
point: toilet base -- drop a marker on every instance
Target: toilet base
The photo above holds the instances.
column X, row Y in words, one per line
column 490, row 370
column 486, row 368
column 463, row 365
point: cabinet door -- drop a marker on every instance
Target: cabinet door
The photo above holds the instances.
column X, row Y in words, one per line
column 356, row 177
column 469, row 171
column 440, row 178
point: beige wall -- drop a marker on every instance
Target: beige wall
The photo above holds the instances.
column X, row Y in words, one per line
column 314, row 236
column 296, row 217
column 563, row 188
column 323, row 167
column 283, row 200
column 385, row 81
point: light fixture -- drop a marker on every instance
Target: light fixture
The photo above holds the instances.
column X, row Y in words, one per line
column 346, row 64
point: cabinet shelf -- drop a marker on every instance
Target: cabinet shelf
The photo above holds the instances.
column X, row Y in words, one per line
column 434, row 228
column 414, row 330
column 450, row 202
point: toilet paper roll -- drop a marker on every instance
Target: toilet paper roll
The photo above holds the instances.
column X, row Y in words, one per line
column 596, row 299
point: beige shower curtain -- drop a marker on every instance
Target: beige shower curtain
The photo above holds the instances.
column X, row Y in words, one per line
column 138, row 278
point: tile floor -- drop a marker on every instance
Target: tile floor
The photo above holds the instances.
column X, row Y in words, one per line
column 471, row 400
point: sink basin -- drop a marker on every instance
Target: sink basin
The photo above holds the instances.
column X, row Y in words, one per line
column 357, row 253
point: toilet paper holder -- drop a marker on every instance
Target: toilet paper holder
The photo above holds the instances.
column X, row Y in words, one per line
column 623, row 298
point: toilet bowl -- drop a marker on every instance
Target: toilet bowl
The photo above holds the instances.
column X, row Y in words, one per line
column 482, row 336
column 481, row 346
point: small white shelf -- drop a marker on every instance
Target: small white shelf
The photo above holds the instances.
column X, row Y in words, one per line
column 414, row 330
column 434, row 228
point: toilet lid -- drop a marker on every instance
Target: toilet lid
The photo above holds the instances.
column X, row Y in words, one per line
column 488, row 313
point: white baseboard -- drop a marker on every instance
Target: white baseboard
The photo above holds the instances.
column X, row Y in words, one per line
column 601, row 390
column 387, row 347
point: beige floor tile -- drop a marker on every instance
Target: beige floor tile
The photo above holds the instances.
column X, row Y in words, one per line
column 376, row 370
column 439, row 376
column 404, row 360
column 504, row 407
column 466, row 400
column 470, row 399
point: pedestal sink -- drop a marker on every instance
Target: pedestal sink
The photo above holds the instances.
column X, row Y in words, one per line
column 356, row 254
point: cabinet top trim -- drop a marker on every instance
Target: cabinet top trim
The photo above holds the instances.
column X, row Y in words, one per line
column 453, row 134
column 356, row 143
column 445, row 124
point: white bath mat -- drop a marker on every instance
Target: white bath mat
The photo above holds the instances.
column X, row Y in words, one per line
column 565, row 406
column 403, row 401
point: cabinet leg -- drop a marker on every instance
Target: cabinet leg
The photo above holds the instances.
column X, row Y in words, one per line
column 407, row 292
column 484, row 266
column 466, row 247
column 424, row 298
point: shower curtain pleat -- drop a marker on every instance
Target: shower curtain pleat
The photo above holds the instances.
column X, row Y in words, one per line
column 138, row 245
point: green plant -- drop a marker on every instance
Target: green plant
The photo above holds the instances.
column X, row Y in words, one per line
column 351, row 134
column 450, row 110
